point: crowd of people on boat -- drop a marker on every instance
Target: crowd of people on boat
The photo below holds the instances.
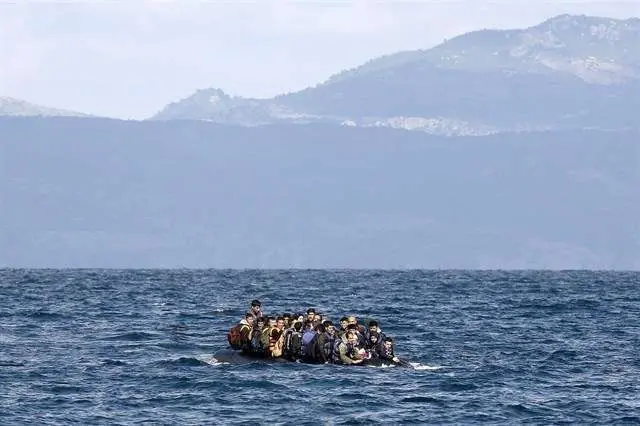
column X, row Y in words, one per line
column 310, row 338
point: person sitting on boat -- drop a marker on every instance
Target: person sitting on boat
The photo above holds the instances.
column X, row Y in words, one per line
column 318, row 318
column 239, row 336
column 293, row 342
column 349, row 352
column 374, row 337
column 353, row 320
column 256, row 309
column 256, row 346
column 288, row 320
column 373, row 344
column 344, row 322
column 311, row 315
column 316, row 346
column 374, row 327
column 276, row 338
column 386, row 350
column 362, row 341
column 324, row 346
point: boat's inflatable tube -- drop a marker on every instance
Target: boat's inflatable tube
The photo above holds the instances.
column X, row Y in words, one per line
column 238, row 357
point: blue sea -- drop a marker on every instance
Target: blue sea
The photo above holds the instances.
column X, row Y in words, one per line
column 127, row 347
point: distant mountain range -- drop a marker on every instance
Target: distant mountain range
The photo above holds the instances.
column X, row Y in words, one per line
column 569, row 72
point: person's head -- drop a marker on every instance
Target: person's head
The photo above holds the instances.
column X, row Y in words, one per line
column 317, row 317
column 352, row 337
column 260, row 322
column 388, row 343
column 287, row 319
column 271, row 321
column 320, row 328
column 311, row 314
column 352, row 320
column 256, row 305
column 344, row 321
column 280, row 322
column 249, row 318
column 373, row 337
column 352, row 327
column 299, row 317
column 328, row 325
column 297, row 325
column 373, row 325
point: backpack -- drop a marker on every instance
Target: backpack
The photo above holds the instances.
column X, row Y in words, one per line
column 328, row 347
column 234, row 336
column 256, row 343
column 265, row 337
column 336, row 350
column 295, row 345
column 308, row 340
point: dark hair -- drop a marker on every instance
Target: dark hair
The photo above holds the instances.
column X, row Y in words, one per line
column 320, row 328
column 256, row 302
column 344, row 319
column 286, row 315
column 261, row 319
column 297, row 326
column 311, row 310
column 373, row 323
column 352, row 327
column 280, row 318
column 388, row 339
column 248, row 314
column 327, row 323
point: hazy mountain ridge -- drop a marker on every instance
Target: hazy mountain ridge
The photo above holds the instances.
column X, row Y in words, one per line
column 16, row 107
column 577, row 45
column 568, row 72
column 111, row 193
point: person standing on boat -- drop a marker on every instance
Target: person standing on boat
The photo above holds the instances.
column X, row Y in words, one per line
column 255, row 310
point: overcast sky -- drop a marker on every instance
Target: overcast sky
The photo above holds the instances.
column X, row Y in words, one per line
column 129, row 59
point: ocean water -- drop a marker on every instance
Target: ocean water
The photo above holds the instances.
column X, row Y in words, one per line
column 491, row 347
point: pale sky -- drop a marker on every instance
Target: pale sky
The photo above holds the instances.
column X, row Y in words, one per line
column 128, row 59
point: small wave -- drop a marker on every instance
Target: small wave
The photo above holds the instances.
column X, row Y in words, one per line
column 9, row 363
column 382, row 366
column 45, row 315
column 211, row 360
column 113, row 362
column 66, row 389
column 418, row 366
column 563, row 355
column 422, row 399
column 131, row 337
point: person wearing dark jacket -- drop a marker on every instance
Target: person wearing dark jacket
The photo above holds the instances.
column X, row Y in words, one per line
column 256, row 309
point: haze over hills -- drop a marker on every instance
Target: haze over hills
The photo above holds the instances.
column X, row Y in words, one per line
column 16, row 107
column 324, row 177
column 82, row 192
column 569, row 72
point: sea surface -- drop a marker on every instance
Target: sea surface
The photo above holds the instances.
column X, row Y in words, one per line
column 110, row 347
